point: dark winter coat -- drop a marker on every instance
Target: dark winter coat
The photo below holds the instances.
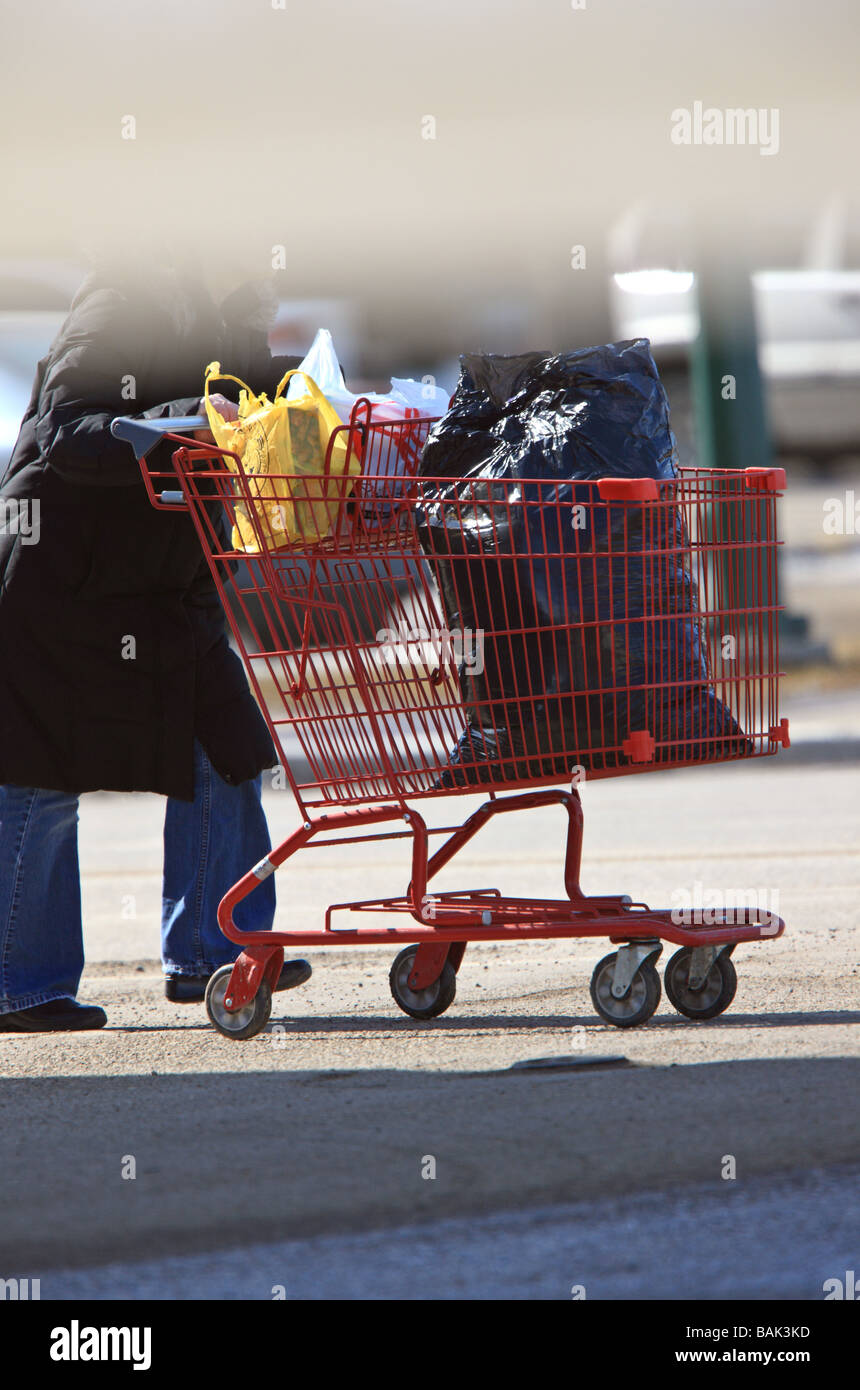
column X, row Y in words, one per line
column 77, row 711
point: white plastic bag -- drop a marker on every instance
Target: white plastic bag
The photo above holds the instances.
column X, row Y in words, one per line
column 391, row 454
column 424, row 396
column 322, row 365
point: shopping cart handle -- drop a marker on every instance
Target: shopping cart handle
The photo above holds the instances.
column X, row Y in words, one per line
column 143, row 435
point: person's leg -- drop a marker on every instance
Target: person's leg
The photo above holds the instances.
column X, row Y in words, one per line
column 41, row 938
column 209, row 844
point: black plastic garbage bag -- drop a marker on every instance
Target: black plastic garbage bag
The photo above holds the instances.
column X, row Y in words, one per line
column 588, row 613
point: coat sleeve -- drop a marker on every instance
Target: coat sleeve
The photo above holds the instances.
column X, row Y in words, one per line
column 86, row 386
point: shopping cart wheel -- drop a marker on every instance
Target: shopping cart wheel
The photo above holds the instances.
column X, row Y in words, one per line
column 421, row 1003
column 246, row 1022
column 713, row 996
column 636, row 1005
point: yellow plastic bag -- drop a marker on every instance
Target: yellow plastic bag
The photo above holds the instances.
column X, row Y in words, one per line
column 274, row 438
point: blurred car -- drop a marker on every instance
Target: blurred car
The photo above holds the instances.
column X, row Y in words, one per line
column 34, row 300
column 809, row 346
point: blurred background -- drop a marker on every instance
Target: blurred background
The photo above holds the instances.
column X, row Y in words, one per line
column 425, row 180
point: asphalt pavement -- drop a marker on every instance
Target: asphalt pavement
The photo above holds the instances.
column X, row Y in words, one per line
column 319, row 1130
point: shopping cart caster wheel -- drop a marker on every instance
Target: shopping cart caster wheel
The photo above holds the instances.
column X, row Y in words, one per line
column 715, row 995
column 421, row 1003
column 246, row 1022
column 637, row 1005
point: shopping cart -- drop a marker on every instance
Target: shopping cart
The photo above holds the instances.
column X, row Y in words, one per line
column 365, row 691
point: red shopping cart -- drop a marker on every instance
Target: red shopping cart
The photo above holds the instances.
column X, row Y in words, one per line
column 346, row 643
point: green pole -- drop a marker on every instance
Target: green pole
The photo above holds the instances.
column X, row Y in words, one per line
column 729, row 398
column 728, row 394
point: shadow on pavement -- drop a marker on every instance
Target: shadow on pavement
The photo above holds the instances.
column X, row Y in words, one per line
column 263, row 1152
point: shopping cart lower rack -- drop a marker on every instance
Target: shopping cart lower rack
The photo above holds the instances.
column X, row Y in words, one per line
column 347, row 648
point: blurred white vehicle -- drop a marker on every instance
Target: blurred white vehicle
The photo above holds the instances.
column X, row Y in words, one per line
column 34, row 299
column 809, row 345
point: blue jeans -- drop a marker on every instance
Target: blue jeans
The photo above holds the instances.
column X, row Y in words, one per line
column 208, row 844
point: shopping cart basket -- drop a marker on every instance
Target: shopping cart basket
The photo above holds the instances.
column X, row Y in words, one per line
column 346, row 646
